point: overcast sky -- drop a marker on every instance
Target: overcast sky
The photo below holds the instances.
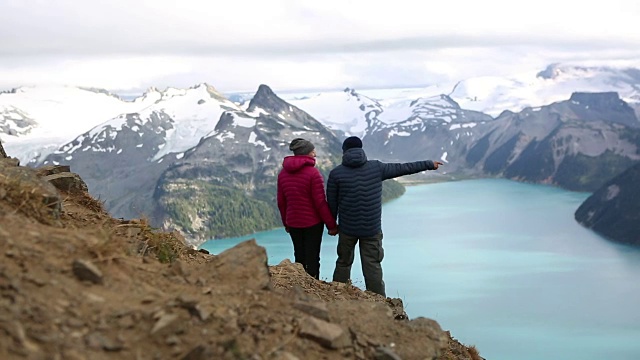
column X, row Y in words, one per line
column 129, row 45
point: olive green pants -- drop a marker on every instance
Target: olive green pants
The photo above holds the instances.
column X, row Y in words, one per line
column 371, row 255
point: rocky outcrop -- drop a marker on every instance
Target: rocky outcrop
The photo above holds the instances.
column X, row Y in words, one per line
column 613, row 211
column 38, row 193
column 603, row 106
column 24, row 191
column 2, row 153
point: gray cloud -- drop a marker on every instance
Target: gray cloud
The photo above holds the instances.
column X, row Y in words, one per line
column 107, row 45
column 129, row 45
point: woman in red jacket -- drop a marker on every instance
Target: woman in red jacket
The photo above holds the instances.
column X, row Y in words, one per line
column 303, row 205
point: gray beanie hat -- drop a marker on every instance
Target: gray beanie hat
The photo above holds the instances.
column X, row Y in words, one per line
column 301, row 146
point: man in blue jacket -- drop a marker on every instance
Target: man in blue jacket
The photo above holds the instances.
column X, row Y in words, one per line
column 354, row 194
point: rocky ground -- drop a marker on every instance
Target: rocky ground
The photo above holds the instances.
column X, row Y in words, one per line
column 76, row 283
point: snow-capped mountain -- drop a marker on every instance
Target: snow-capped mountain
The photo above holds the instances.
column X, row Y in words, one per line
column 175, row 155
column 490, row 95
column 435, row 128
column 346, row 111
column 137, row 147
column 37, row 120
column 557, row 82
column 175, row 121
column 194, row 160
column 270, row 119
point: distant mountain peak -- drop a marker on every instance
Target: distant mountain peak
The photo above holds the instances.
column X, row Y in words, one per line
column 557, row 70
column 266, row 99
column 265, row 90
column 213, row 92
column 550, row 72
column 606, row 101
column 590, row 97
column 349, row 90
column 604, row 105
column 151, row 90
column 441, row 100
column 204, row 85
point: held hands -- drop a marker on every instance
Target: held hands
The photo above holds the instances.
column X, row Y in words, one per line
column 333, row 232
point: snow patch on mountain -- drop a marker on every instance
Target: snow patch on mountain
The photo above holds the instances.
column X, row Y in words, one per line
column 194, row 113
column 345, row 110
column 55, row 115
column 64, row 111
column 488, row 94
column 557, row 82
column 181, row 117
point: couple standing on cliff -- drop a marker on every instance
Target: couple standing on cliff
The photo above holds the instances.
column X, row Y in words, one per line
column 353, row 199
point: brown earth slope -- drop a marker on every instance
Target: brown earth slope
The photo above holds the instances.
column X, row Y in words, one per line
column 78, row 284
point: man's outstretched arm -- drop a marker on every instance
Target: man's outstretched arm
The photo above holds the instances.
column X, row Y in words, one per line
column 393, row 170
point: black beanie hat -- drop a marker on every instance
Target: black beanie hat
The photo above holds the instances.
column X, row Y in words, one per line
column 351, row 142
column 301, row 146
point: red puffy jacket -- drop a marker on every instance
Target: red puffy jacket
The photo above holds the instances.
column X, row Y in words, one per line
column 301, row 197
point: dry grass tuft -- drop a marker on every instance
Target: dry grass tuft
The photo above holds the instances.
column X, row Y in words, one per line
column 166, row 246
column 475, row 355
column 90, row 203
column 28, row 201
column 458, row 351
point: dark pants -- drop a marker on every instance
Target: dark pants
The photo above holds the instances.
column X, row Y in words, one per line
column 371, row 255
column 306, row 247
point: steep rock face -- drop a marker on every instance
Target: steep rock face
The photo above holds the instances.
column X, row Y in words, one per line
column 570, row 143
column 614, row 210
column 603, row 106
column 226, row 185
column 280, row 113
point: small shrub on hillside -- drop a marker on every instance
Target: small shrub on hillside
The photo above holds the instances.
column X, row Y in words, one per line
column 167, row 247
column 24, row 198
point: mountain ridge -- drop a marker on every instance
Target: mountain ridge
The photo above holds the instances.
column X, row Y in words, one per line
column 199, row 133
column 612, row 210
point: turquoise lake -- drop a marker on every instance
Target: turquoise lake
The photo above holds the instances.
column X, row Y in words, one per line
column 502, row 265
